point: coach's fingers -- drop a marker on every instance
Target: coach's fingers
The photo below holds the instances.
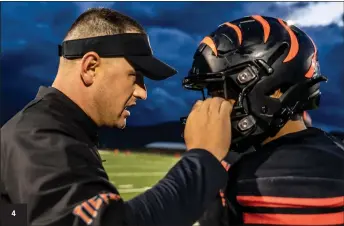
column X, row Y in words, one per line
column 197, row 105
column 226, row 107
column 206, row 104
column 215, row 104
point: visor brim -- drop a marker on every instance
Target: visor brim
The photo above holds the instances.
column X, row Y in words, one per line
column 152, row 67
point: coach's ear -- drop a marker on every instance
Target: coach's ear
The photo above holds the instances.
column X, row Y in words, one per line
column 89, row 63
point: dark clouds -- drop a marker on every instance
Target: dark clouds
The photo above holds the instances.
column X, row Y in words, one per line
column 30, row 32
column 199, row 17
column 332, row 102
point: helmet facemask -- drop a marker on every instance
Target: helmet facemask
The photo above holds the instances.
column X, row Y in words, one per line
column 235, row 84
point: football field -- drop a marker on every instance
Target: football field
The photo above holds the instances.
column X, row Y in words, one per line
column 133, row 173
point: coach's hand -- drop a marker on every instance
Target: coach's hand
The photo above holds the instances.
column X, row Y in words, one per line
column 208, row 126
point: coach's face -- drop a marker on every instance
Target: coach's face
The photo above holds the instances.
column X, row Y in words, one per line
column 115, row 87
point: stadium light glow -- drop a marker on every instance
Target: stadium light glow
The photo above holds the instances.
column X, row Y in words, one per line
column 290, row 22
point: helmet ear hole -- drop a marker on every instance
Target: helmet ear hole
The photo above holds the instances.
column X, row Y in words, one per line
column 278, row 53
column 278, row 92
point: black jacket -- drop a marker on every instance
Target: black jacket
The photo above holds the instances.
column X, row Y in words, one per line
column 49, row 161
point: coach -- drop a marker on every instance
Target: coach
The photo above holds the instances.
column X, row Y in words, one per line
column 49, row 157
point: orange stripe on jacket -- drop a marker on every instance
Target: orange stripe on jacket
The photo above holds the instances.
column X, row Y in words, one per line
column 105, row 198
column 295, row 219
column 93, row 203
column 113, row 196
column 270, row 201
column 225, row 164
column 79, row 212
column 89, row 209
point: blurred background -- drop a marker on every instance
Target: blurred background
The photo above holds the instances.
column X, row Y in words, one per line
column 31, row 31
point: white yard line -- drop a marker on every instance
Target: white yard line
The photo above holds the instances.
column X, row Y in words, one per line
column 156, row 162
column 132, row 190
column 168, row 162
column 125, row 186
column 137, row 174
column 105, row 152
column 132, row 166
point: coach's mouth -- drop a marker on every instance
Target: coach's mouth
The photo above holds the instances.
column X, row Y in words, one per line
column 126, row 109
column 129, row 106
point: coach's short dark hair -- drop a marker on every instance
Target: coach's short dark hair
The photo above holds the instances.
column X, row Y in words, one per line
column 102, row 21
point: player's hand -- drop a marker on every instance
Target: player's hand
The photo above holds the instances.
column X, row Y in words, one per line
column 208, row 126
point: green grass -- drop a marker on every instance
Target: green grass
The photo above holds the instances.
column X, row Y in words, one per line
column 133, row 173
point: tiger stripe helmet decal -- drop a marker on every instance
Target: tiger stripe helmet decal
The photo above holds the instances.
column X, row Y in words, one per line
column 265, row 24
column 313, row 67
column 294, row 47
column 210, row 42
column 236, row 29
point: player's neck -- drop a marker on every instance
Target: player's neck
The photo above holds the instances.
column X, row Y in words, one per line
column 289, row 127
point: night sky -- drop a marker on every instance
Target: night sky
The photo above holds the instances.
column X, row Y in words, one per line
column 31, row 31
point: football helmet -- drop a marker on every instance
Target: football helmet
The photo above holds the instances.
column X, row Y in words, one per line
column 248, row 60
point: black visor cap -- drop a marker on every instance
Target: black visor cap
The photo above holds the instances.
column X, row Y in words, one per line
column 134, row 47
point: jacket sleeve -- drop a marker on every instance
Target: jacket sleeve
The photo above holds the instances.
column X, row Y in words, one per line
column 183, row 195
column 67, row 185
column 178, row 199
